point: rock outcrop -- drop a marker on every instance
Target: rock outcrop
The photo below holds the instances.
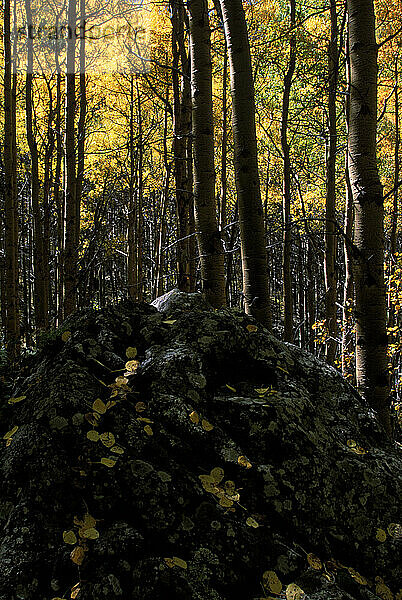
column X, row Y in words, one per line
column 217, row 464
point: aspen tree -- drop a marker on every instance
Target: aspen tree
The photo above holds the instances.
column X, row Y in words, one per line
column 209, row 241
column 371, row 334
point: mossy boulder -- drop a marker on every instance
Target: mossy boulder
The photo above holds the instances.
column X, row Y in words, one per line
column 222, row 455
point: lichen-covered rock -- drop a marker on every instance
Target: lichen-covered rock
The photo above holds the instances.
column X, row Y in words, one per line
column 177, row 301
column 219, row 463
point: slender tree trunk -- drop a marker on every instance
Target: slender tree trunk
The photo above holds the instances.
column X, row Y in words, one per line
column 59, row 204
column 251, row 217
column 224, row 186
column 395, row 208
column 140, row 192
column 132, row 212
column 46, row 208
column 81, row 127
column 347, row 318
column 159, row 254
column 300, row 292
column 310, row 293
column 287, row 192
column 209, row 242
column 348, row 288
column 181, row 133
column 71, row 225
column 371, row 334
column 40, row 291
column 330, row 201
column 12, row 329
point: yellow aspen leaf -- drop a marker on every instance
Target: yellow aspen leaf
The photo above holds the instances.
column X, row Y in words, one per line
column 230, row 486
column 261, row 391
column 252, row 522
column 272, row 582
column 132, row 366
column 244, row 462
column 294, row 592
column 120, row 380
column 93, row 419
column 8, row 442
column 75, row 590
column 99, row 406
column 131, row 352
column 357, row 577
column 179, row 562
column 89, row 520
column 148, row 430
column 91, row 533
column 169, row 321
column 169, row 562
column 110, row 404
column 217, row 475
column 10, row 433
column 225, row 502
column 69, row 537
column 207, row 483
column 232, row 389
column 384, row 592
column 140, row 407
column 113, row 395
column 395, row 530
column 108, row 462
column 252, row 328
column 351, row 443
column 380, row 535
column 314, row 562
column 16, row 400
column 206, row 425
column 117, row 450
column 194, row 417
column 107, row 439
column 78, row 555
column 145, row 420
column 65, row 336
column 93, row 435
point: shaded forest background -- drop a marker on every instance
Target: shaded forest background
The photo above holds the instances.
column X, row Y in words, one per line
column 127, row 229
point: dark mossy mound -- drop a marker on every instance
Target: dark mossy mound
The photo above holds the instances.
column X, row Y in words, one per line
column 311, row 471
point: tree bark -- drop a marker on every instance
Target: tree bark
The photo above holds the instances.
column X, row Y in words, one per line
column 72, row 212
column 12, row 329
column 132, row 282
column 139, row 194
column 40, row 291
column 81, row 129
column 330, row 200
column 181, row 124
column 251, row 216
column 59, row 201
column 209, row 241
column 287, row 192
column 348, row 288
column 371, row 335
column 395, row 208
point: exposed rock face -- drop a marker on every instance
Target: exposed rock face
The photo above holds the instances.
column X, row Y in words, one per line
column 214, row 396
